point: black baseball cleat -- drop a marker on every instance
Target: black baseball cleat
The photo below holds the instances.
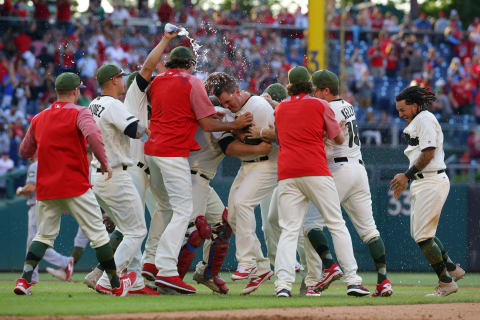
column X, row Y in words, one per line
column 284, row 293
column 357, row 291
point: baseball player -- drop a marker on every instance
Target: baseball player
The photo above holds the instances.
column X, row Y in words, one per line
column 430, row 186
column 66, row 264
column 174, row 121
column 60, row 134
column 255, row 180
column 118, row 196
column 136, row 102
column 301, row 123
column 351, row 180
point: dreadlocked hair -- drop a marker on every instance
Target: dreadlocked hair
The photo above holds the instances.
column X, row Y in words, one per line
column 415, row 94
column 219, row 82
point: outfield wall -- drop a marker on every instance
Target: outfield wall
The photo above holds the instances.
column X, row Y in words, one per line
column 459, row 230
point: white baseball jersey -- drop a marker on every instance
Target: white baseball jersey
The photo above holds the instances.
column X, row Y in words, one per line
column 210, row 154
column 423, row 132
column 263, row 117
column 351, row 146
column 112, row 118
column 136, row 103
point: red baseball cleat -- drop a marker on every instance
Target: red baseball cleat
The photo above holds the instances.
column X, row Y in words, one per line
column 176, row 283
column 22, row 287
column 243, row 273
column 329, row 275
column 383, row 289
column 255, row 282
column 149, row 271
column 145, row 291
column 125, row 283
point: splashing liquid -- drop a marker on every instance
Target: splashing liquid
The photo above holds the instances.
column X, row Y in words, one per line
column 200, row 55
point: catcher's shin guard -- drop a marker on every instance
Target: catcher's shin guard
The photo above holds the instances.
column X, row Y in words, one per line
column 196, row 239
column 218, row 250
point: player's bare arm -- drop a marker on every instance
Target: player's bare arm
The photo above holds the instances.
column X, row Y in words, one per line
column 155, row 55
column 267, row 134
column 210, row 124
column 26, row 190
column 400, row 182
column 239, row 149
column 339, row 139
column 272, row 102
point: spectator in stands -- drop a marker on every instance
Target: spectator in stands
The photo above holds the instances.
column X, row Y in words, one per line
column 64, row 14
column 364, row 88
column 6, row 9
column 376, row 57
column 165, row 12
column 455, row 71
column 6, row 164
column 41, row 14
column 473, row 143
column 390, row 23
column 422, row 23
column 441, row 107
column 120, row 13
column 4, row 140
column 461, row 97
column 371, row 135
column 392, row 61
column 442, row 23
column 416, row 62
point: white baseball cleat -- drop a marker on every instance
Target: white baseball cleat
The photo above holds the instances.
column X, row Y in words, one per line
column 444, row 289
column 62, row 274
column 92, row 278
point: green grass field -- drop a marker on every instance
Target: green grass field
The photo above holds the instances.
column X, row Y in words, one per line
column 53, row 297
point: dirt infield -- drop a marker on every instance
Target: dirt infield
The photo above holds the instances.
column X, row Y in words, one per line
column 464, row 311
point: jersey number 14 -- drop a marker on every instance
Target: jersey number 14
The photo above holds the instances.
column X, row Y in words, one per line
column 353, row 133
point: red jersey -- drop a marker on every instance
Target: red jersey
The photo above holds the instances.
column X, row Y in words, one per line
column 63, row 11
column 301, row 122
column 58, row 135
column 178, row 100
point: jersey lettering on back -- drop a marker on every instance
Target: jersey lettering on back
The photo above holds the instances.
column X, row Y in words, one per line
column 351, row 146
column 96, row 109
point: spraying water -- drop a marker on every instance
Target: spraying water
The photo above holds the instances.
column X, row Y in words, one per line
column 200, row 55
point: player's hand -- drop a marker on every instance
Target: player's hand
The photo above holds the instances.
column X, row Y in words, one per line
column 398, row 184
column 272, row 102
column 148, row 132
column 264, row 148
column 109, row 173
column 254, row 132
column 170, row 35
column 243, row 120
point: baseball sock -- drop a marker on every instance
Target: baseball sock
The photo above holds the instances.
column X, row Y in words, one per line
column 77, row 253
column 377, row 251
column 448, row 262
column 434, row 255
column 115, row 238
column 320, row 244
column 105, row 257
column 35, row 254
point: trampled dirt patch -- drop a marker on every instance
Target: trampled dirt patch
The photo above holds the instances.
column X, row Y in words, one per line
column 464, row 311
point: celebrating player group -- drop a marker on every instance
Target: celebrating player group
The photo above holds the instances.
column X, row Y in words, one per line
column 300, row 161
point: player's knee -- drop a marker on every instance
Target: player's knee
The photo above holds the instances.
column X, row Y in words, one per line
column 370, row 236
column 424, row 243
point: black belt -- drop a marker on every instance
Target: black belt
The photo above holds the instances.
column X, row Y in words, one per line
column 124, row 167
column 345, row 159
column 420, row 175
column 141, row 165
column 201, row 174
column 264, row 158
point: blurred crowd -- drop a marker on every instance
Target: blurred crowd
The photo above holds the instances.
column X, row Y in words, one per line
column 437, row 53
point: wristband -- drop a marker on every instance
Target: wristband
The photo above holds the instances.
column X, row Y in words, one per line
column 410, row 173
column 261, row 135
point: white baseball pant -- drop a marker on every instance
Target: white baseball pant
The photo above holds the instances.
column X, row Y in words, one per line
column 51, row 255
column 427, row 196
column 294, row 196
column 170, row 177
column 254, row 181
column 119, row 197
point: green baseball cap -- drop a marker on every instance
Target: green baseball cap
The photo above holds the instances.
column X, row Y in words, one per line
column 182, row 53
column 107, row 72
column 130, row 78
column 325, row 79
column 68, row 81
column 276, row 91
column 298, row 74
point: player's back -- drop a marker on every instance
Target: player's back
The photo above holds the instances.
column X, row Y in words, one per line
column 112, row 118
column 351, row 146
column 62, row 152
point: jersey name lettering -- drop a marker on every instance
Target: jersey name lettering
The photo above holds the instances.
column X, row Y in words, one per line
column 96, row 109
column 348, row 112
